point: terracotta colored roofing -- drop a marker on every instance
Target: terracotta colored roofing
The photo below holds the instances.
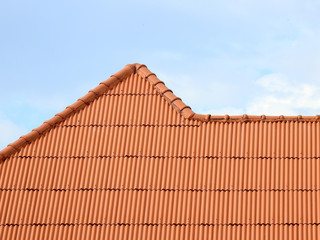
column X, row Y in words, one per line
column 130, row 160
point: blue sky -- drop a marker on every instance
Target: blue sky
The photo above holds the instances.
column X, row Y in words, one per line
column 221, row 57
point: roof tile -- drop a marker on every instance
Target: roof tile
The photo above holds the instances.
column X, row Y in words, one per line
column 21, row 142
column 88, row 98
column 131, row 165
column 31, row 136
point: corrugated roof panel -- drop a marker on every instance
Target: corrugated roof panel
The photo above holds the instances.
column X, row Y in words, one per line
column 274, row 173
column 129, row 166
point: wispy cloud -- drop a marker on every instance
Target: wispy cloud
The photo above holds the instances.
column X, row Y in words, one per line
column 280, row 96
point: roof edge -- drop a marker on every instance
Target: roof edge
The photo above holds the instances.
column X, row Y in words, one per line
column 165, row 92
column 104, row 86
column 159, row 86
column 187, row 112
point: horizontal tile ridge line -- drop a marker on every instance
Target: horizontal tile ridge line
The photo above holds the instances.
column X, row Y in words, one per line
column 70, row 110
column 163, row 156
column 157, row 224
column 260, row 118
column 160, row 189
column 131, row 94
column 129, row 125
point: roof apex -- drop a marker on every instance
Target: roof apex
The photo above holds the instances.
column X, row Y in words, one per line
column 59, row 117
column 165, row 92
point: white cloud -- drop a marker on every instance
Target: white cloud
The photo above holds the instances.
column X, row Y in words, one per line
column 224, row 46
column 280, row 97
column 274, row 82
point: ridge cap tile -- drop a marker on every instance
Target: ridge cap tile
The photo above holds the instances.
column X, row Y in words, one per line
column 63, row 115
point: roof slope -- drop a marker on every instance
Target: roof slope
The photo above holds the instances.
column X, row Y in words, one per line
column 122, row 163
column 142, row 71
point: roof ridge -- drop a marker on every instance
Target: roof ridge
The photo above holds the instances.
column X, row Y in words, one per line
column 159, row 86
column 165, row 92
column 71, row 109
column 187, row 112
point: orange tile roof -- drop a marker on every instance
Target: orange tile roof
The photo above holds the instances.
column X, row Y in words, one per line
column 130, row 160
